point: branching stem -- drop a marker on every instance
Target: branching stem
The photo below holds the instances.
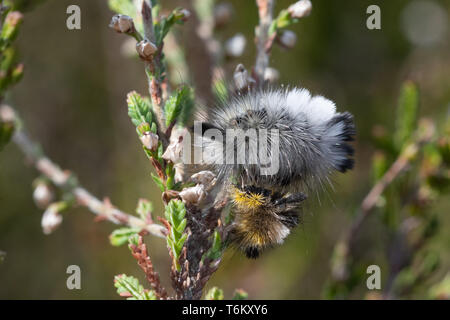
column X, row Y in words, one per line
column 63, row 179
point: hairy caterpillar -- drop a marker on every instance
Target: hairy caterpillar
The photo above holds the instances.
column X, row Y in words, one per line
column 311, row 140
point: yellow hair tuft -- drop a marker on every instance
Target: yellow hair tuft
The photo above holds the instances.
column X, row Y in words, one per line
column 249, row 201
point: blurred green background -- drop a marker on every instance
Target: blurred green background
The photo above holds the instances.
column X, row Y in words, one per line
column 72, row 100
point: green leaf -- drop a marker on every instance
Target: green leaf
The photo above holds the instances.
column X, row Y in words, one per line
column 220, row 89
column 179, row 106
column 216, row 249
column 229, row 215
column 214, row 294
column 240, row 294
column 133, row 240
column 144, row 209
column 10, row 28
column 10, row 72
column 163, row 26
column 16, row 74
column 407, row 113
column 174, row 214
column 441, row 290
column 158, row 182
column 139, row 109
column 182, row 225
column 153, row 128
column 142, row 128
column 170, row 173
column 120, row 236
column 283, row 20
column 179, row 212
column 181, row 242
column 130, row 285
column 6, row 132
column 160, row 151
column 8, row 59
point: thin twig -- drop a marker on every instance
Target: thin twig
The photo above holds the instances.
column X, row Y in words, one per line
column 140, row 253
column 62, row 178
column 153, row 66
column 371, row 199
column 265, row 9
column 375, row 193
column 347, row 246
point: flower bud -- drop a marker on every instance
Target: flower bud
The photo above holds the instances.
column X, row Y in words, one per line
column 43, row 195
column 240, row 77
column 146, row 49
column 122, row 24
column 234, row 47
column 51, row 218
column 287, row 39
column 222, row 14
column 300, row 9
column 17, row 73
column 7, row 114
column 179, row 172
column 174, row 150
column 271, row 75
column 150, row 140
column 183, row 14
column 11, row 25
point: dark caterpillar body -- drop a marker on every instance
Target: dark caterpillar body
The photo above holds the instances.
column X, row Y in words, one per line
column 263, row 218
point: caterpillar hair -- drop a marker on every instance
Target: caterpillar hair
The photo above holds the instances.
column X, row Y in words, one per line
column 312, row 140
column 263, row 218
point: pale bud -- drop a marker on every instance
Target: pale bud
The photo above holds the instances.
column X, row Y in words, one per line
column 51, row 219
column 240, row 77
column 146, row 49
column 150, row 140
column 14, row 18
column 43, row 195
column 174, row 150
column 222, row 14
column 122, row 24
column 271, row 75
column 287, row 39
column 300, row 9
column 179, row 172
column 194, row 195
column 7, row 114
column 185, row 14
column 235, row 46
column 172, row 153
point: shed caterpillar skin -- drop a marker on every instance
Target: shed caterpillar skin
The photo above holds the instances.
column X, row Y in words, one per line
column 312, row 139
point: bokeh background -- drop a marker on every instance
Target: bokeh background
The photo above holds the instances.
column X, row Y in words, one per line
column 72, row 100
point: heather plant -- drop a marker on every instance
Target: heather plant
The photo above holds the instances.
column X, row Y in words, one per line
column 409, row 168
